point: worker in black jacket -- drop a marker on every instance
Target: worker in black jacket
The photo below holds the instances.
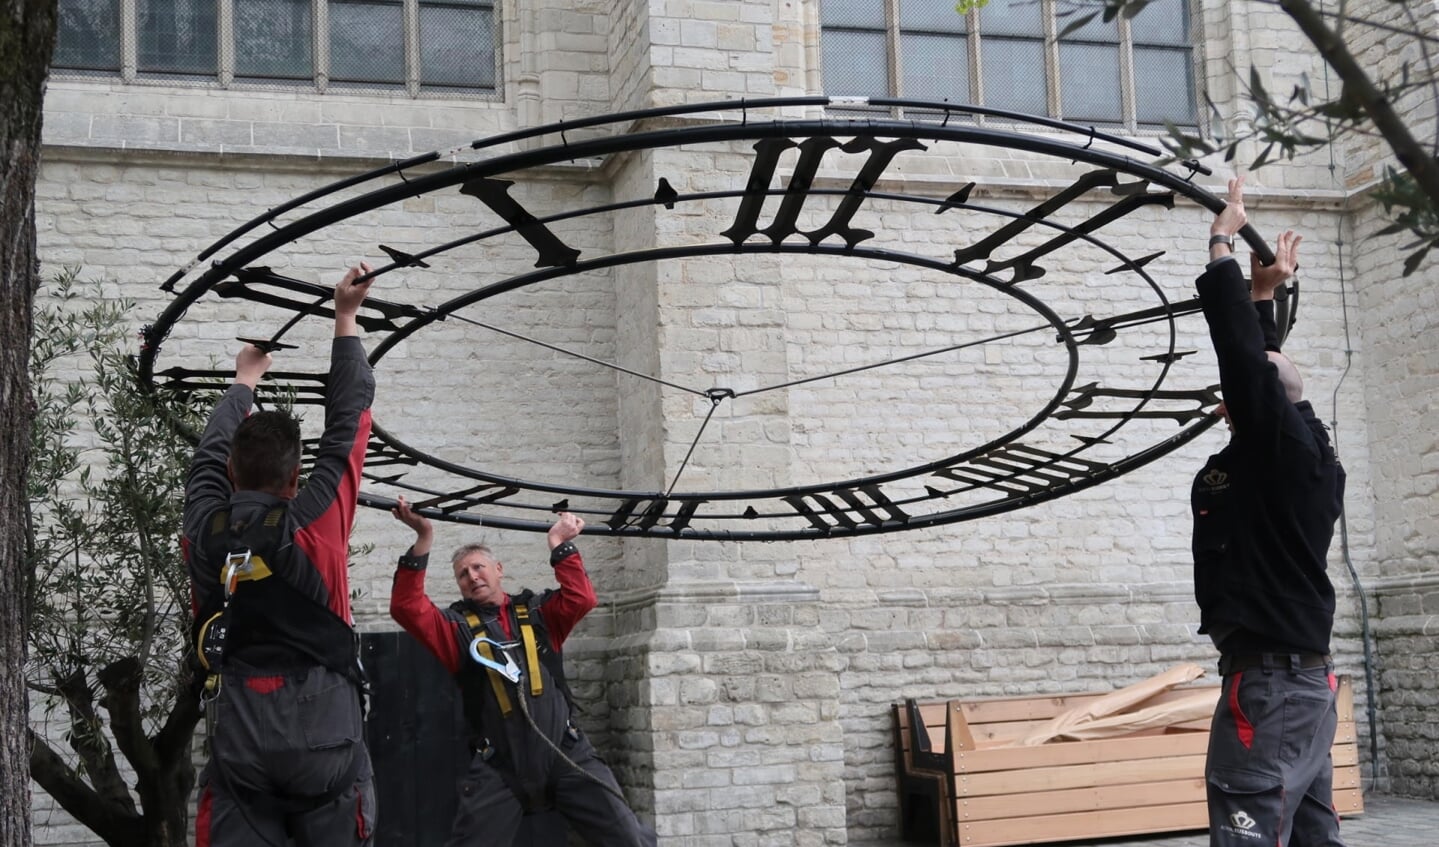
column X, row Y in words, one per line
column 1264, row 512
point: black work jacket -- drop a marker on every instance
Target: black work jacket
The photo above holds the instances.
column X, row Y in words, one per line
column 1264, row 507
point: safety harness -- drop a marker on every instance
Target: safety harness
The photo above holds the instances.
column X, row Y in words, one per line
column 259, row 615
column 535, row 641
column 496, row 675
column 267, row 621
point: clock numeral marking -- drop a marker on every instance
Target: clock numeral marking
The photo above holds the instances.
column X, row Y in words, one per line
column 811, row 153
column 262, row 285
column 1102, row 330
column 1024, row 265
column 648, row 512
column 849, row 508
column 303, row 388
column 1020, row 469
column 495, row 193
column 1077, row 404
column 457, row 500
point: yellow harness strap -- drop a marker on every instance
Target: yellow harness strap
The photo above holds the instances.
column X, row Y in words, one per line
column 496, row 681
column 532, row 652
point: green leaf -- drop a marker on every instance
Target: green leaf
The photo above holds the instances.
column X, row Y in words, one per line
column 1256, row 87
column 1262, row 158
column 1132, row 7
column 1077, row 23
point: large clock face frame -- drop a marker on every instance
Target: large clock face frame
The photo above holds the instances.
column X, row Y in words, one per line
column 1027, row 292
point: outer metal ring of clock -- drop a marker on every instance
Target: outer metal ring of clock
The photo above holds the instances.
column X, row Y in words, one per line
column 1002, row 472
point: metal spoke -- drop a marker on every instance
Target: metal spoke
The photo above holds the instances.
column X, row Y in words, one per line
column 715, row 395
column 901, row 359
column 611, row 365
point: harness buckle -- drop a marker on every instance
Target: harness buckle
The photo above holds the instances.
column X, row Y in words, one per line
column 211, row 690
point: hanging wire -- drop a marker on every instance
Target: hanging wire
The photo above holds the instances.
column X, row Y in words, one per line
column 573, row 354
column 715, row 396
column 950, row 349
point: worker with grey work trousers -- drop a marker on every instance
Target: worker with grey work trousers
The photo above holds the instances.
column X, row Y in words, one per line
column 275, row 645
column 1264, row 511
column 504, row 651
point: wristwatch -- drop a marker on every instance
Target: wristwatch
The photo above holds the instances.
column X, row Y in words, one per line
column 1226, row 240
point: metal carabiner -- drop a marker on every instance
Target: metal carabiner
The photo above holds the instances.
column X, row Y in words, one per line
column 509, row 670
column 235, row 565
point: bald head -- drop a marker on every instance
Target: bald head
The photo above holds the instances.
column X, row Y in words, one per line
column 1288, row 376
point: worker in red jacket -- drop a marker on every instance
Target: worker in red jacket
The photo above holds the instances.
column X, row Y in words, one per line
column 505, row 653
column 271, row 597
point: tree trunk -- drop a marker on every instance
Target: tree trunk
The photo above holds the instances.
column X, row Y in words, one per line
column 1419, row 162
column 27, row 38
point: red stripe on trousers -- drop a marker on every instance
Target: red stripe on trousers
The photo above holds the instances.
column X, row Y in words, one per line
column 1241, row 723
column 202, row 818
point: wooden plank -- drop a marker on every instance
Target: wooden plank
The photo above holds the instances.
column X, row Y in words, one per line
column 1348, row 776
column 1078, row 776
column 1344, row 699
column 1021, row 709
column 1349, row 801
column 957, row 733
column 1040, row 708
column 934, row 712
column 1056, row 753
column 1034, row 803
column 1084, row 825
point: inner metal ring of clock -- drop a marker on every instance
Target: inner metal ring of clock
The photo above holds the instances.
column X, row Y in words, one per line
column 827, row 321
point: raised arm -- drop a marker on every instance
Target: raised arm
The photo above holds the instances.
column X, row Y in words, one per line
column 563, row 609
column 1266, row 279
column 325, row 507
column 207, row 487
column 1253, row 395
column 411, row 608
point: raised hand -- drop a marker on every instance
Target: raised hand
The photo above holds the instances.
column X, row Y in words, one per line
column 1267, row 278
column 567, row 526
column 424, row 531
column 251, row 363
column 1232, row 217
column 349, row 293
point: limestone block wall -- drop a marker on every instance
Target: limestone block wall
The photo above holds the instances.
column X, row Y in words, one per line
column 1395, row 323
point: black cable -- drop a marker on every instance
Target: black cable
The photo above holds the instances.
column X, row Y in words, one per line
column 574, row 354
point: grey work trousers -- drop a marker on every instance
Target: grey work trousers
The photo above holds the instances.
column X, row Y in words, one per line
column 490, row 814
column 288, row 764
column 1269, row 774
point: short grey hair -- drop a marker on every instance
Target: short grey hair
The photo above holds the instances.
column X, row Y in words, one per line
column 466, row 549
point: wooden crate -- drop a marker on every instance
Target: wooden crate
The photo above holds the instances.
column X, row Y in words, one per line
column 1151, row 781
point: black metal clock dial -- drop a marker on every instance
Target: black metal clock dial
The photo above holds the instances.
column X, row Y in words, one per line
column 761, row 320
